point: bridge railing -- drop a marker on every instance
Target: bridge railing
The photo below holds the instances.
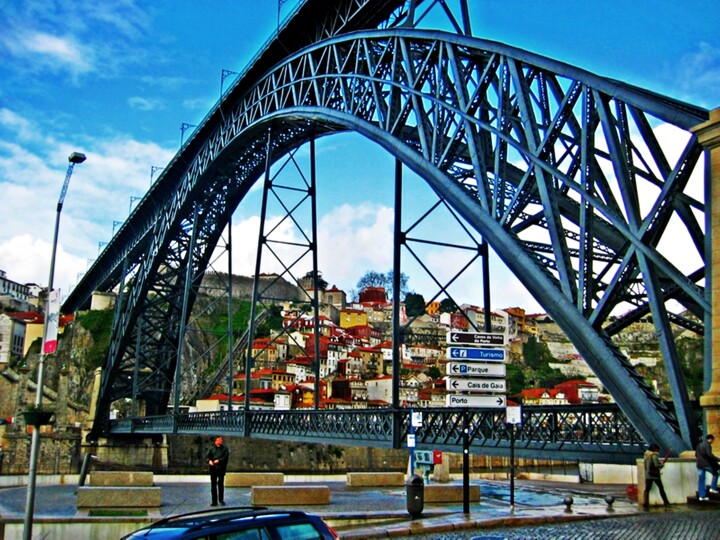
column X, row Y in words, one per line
column 589, row 433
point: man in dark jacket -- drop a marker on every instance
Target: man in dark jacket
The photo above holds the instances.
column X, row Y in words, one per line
column 652, row 474
column 217, row 457
column 706, row 462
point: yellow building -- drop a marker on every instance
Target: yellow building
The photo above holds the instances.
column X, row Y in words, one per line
column 353, row 317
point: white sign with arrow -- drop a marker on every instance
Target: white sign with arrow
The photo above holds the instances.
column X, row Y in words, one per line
column 460, row 400
column 475, row 369
column 470, row 353
column 476, row 338
column 478, row 385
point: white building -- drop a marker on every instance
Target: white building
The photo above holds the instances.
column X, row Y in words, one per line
column 13, row 296
column 379, row 389
column 12, row 337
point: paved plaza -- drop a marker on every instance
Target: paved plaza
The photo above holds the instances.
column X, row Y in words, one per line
column 540, row 511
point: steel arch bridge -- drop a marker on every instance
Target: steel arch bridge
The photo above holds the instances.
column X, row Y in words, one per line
column 563, row 173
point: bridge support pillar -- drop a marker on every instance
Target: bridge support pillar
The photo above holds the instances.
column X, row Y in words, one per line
column 708, row 135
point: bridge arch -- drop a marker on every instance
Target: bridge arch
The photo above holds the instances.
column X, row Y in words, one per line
column 513, row 141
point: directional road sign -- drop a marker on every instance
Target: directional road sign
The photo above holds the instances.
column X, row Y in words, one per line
column 470, row 353
column 476, row 338
column 459, row 400
column 478, row 385
column 475, row 369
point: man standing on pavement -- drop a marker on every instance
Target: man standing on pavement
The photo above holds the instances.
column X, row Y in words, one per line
column 706, row 462
column 217, row 458
column 652, row 474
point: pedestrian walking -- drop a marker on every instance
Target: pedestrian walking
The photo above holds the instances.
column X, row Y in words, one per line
column 706, row 462
column 653, row 470
column 217, row 457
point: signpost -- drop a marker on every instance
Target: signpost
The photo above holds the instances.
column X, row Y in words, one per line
column 483, row 347
column 513, row 416
column 416, row 421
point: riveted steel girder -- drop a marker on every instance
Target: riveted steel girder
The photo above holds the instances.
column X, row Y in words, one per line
column 563, row 173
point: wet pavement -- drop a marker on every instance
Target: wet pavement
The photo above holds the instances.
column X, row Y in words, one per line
column 540, row 511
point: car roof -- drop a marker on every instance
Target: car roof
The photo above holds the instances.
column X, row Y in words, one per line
column 210, row 519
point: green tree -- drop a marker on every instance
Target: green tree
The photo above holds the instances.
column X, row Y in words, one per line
column 99, row 324
column 434, row 372
column 515, row 379
column 386, row 281
column 414, row 304
column 390, row 284
column 322, row 284
column 448, row 305
column 548, row 377
column 691, row 355
column 371, row 279
column 536, row 354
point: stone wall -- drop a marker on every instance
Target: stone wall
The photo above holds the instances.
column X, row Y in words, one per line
column 186, row 453
column 60, row 453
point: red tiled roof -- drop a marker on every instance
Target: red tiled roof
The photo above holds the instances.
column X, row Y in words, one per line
column 224, row 397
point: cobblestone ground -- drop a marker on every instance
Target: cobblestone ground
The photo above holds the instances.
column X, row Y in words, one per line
column 685, row 525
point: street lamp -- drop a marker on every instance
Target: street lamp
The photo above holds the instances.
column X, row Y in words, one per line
column 48, row 347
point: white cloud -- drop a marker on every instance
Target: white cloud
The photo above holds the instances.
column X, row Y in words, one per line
column 64, row 50
column 698, row 73
column 22, row 128
column 354, row 239
column 145, row 104
column 50, row 51
column 32, row 172
column 26, row 259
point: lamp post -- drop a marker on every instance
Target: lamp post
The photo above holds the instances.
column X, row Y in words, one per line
column 74, row 158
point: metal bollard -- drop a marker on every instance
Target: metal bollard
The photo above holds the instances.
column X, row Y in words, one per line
column 568, row 500
column 415, row 491
column 85, row 468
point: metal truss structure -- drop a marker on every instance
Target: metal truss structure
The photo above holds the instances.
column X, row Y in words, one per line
column 594, row 433
column 566, row 175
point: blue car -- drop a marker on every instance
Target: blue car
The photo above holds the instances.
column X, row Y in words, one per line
column 243, row 523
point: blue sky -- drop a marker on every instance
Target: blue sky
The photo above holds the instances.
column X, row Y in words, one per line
column 116, row 80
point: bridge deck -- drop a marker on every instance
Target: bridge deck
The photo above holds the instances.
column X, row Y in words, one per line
column 591, row 433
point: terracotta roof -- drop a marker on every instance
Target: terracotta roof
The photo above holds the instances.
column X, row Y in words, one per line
column 224, row 397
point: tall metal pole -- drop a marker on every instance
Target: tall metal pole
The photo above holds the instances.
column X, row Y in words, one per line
column 316, row 277
column 74, row 158
column 396, row 330
column 230, row 340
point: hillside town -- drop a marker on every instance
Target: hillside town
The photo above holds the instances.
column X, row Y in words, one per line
column 355, row 354
column 356, row 357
